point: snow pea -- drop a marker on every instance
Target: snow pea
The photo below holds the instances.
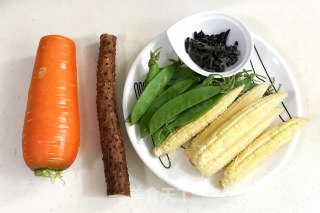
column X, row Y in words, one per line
column 153, row 65
column 150, row 93
column 185, row 118
column 173, row 91
column 180, row 104
column 160, row 135
column 186, row 73
column 195, row 112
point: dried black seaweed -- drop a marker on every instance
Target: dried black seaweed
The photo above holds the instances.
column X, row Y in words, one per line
column 211, row 52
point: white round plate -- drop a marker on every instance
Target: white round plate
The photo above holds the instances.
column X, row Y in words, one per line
column 175, row 168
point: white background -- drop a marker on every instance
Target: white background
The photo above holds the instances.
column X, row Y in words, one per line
column 291, row 27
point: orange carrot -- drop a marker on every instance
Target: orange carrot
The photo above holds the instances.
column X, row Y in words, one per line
column 51, row 129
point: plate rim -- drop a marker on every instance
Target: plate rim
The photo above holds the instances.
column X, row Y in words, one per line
column 284, row 160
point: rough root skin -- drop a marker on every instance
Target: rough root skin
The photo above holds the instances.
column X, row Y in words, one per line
column 114, row 158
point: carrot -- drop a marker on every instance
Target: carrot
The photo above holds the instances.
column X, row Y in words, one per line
column 51, row 128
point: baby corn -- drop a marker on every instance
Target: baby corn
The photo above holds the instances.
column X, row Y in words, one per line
column 223, row 159
column 228, row 134
column 260, row 149
column 185, row 133
column 245, row 100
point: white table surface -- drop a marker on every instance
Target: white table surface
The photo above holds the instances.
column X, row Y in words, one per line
column 292, row 27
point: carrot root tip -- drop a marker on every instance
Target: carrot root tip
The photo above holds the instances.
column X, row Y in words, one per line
column 50, row 173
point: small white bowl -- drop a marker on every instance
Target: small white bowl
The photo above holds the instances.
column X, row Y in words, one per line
column 212, row 23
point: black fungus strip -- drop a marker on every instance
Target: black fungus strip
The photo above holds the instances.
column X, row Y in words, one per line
column 211, row 52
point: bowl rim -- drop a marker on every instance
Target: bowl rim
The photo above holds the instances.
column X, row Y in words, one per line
column 242, row 26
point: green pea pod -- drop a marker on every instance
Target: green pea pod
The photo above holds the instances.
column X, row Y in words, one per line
column 185, row 118
column 160, row 135
column 150, row 93
column 173, row 91
column 184, row 73
column 195, row 112
column 153, row 65
column 179, row 104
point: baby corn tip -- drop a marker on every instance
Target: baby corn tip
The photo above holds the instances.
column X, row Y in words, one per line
column 158, row 151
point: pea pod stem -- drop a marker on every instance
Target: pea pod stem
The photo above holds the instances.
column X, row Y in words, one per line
column 153, row 65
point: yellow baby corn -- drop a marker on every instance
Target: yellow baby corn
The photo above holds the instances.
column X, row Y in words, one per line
column 236, row 127
column 185, row 133
column 245, row 100
column 223, row 159
column 260, row 149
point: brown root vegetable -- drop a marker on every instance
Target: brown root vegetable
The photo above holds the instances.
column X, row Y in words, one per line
column 114, row 158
